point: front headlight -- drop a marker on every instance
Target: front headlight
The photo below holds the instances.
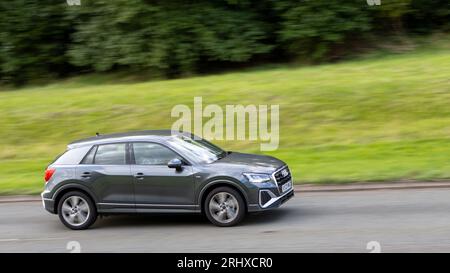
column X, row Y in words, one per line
column 257, row 177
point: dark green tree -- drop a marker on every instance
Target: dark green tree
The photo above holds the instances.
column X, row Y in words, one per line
column 34, row 36
column 169, row 36
column 311, row 28
column 41, row 39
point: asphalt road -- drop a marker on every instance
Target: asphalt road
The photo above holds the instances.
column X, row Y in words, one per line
column 399, row 220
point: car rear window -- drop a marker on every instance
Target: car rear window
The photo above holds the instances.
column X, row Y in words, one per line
column 72, row 157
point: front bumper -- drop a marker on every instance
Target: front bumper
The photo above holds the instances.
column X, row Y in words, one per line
column 273, row 195
column 273, row 202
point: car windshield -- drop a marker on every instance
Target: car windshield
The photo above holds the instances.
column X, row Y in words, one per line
column 197, row 149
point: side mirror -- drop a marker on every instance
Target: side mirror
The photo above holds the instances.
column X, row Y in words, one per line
column 175, row 164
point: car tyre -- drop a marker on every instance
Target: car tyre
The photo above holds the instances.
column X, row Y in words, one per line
column 76, row 210
column 224, row 207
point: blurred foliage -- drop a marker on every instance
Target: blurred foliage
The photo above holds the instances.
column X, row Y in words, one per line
column 34, row 37
column 396, row 8
column 313, row 27
column 425, row 16
column 167, row 36
column 47, row 38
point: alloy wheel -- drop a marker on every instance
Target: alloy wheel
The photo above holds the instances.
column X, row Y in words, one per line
column 224, row 207
column 75, row 210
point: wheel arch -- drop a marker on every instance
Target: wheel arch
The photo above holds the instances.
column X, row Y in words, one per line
column 72, row 187
column 221, row 183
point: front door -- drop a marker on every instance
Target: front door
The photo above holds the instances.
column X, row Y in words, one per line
column 156, row 185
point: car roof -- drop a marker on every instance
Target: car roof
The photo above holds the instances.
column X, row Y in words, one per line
column 157, row 135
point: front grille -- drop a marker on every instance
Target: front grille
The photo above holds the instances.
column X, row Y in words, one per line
column 282, row 176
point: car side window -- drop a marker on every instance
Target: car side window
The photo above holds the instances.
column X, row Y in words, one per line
column 152, row 154
column 89, row 158
column 111, row 154
column 72, row 156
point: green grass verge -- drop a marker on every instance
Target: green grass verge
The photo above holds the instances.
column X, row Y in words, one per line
column 377, row 119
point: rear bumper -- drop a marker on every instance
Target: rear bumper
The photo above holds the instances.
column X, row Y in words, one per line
column 48, row 204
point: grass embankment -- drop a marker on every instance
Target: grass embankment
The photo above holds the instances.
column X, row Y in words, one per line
column 376, row 119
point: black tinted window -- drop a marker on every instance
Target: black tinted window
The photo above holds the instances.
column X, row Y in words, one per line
column 89, row 159
column 111, row 154
column 152, row 154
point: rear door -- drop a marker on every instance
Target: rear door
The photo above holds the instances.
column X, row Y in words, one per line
column 156, row 185
column 106, row 169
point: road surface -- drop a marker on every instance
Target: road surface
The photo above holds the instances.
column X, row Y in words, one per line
column 399, row 220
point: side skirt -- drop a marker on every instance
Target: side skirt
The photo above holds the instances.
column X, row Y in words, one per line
column 146, row 208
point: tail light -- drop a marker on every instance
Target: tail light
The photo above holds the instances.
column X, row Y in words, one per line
column 48, row 174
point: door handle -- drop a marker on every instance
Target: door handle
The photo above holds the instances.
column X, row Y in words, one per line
column 139, row 176
column 86, row 175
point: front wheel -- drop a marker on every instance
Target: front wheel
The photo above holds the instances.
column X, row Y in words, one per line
column 76, row 210
column 224, row 207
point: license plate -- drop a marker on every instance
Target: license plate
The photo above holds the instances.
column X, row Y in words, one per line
column 286, row 186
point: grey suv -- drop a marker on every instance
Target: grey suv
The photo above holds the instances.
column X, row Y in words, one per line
column 161, row 171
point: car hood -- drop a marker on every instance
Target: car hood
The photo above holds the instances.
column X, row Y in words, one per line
column 251, row 162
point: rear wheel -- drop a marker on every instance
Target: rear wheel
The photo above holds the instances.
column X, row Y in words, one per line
column 224, row 207
column 76, row 210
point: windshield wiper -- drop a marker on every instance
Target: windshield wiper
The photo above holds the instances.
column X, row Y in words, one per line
column 222, row 155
